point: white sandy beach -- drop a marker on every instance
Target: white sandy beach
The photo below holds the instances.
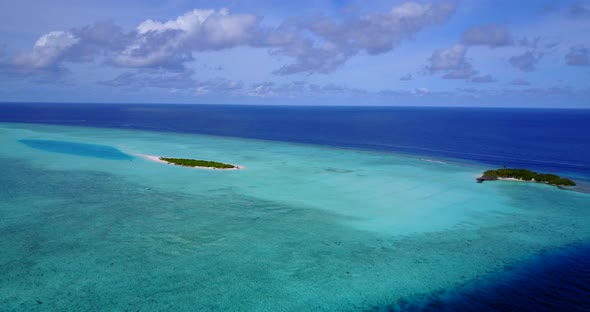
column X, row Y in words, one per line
column 515, row 179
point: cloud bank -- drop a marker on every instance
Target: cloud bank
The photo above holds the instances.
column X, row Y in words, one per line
column 314, row 45
column 374, row 33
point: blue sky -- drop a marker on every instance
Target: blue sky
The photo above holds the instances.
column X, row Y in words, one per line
column 317, row 52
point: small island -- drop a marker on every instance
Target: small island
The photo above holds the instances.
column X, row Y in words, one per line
column 197, row 163
column 525, row 175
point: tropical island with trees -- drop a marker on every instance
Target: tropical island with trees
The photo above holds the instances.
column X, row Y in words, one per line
column 197, row 163
column 524, row 175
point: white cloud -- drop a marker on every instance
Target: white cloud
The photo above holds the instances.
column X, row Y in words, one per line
column 448, row 59
column 420, row 91
column 171, row 44
column 261, row 89
column 205, row 29
column 451, row 62
column 333, row 42
column 315, row 45
column 48, row 49
column 188, row 22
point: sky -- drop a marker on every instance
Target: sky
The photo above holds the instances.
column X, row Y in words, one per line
column 527, row 53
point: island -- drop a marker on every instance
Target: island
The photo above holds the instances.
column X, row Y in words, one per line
column 524, row 175
column 197, row 163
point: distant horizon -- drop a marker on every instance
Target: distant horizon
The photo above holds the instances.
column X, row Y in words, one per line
column 301, row 105
column 334, row 52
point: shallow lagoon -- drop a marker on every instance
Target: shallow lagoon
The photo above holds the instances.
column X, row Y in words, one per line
column 78, row 149
column 301, row 228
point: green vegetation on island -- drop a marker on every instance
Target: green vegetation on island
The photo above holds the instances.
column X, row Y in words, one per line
column 197, row 163
column 525, row 175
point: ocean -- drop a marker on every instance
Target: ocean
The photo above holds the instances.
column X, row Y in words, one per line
column 337, row 209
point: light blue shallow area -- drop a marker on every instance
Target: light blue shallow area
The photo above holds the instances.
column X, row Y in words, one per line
column 301, row 228
column 79, row 149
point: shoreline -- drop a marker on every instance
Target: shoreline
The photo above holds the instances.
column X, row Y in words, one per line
column 531, row 181
column 515, row 179
column 526, row 175
column 512, row 179
column 157, row 159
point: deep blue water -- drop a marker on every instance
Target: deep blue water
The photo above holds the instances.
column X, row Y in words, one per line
column 554, row 281
column 80, row 149
column 541, row 139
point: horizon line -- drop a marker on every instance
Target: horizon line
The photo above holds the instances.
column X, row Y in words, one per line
column 295, row 105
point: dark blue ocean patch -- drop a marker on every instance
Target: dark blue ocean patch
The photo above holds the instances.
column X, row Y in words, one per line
column 79, row 149
column 493, row 136
column 555, row 281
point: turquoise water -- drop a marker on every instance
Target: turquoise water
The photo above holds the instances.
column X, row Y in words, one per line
column 301, row 228
column 79, row 149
